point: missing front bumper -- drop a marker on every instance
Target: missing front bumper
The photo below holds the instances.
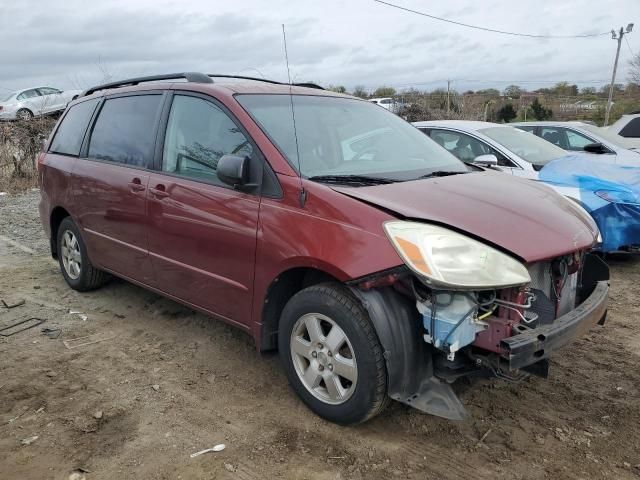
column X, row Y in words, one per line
column 539, row 343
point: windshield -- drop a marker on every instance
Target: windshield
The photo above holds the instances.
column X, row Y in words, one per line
column 608, row 136
column 524, row 144
column 6, row 98
column 343, row 136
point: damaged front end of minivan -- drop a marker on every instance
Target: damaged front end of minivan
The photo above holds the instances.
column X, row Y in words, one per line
column 461, row 308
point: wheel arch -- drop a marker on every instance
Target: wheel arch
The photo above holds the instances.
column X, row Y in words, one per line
column 281, row 289
column 55, row 219
column 27, row 110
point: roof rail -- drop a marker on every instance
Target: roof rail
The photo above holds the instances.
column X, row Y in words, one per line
column 195, row 77
column 188, row 76
column 241, row 77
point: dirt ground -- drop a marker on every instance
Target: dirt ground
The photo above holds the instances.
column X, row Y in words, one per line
column 168, row 382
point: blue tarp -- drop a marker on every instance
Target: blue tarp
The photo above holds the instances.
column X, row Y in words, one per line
column 618, row 214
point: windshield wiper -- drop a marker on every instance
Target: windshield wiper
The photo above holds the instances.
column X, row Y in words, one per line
column 352, row 180
column 440, row 173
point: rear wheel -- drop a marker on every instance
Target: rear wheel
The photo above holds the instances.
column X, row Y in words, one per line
column 76, row 268
column 24, row 114
column 332, row 355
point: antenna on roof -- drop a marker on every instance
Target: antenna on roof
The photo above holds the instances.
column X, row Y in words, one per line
column 303, row 193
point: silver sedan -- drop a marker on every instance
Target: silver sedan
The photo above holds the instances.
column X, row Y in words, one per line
column 34, row 102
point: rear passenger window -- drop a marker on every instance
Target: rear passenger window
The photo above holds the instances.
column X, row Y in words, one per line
column 28, row 94
column 125, row 130
column 68, row 138
column 198, row 134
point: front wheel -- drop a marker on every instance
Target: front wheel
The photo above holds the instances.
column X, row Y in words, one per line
column 332, row 355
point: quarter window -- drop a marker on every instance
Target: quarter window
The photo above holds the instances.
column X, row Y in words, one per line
column 125, row 130
column 198, row 134
column 70, row 133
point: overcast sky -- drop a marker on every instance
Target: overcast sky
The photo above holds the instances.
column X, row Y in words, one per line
column 73, row 44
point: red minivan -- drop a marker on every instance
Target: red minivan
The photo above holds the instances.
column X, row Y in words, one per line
column 330, row 229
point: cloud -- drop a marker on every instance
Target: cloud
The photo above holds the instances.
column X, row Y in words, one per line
column 73, row 43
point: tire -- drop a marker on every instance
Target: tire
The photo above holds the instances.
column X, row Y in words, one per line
column 343, row 380
column 24, row 114
column 74, row 261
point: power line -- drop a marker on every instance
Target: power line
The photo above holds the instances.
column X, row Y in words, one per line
column 630, row 51
column 515, row 34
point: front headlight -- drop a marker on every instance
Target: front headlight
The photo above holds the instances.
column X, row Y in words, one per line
column 447, row 259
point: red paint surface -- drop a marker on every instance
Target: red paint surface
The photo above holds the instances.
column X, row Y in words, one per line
column 521, row 216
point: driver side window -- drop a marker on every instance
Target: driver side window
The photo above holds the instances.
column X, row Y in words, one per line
column 577, row 141
column 198, row 134
column 466, row 147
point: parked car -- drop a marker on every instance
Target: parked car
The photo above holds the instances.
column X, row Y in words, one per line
column 385, row 102
column 583, row 178
column 389, row 103
column 512, row 150
column 387, row 271
column 34, row 102
column 627, row 126
column 610, row 193
column 583, row 137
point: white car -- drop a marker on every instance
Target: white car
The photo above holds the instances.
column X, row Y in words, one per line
column 627, row 126
column 389, row 103
column 583, row 137
column 507, row 148
column 34, row 102
column 386, row 102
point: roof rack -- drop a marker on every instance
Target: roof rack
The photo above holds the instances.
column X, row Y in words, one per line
column 188, row 76
column 195, row 77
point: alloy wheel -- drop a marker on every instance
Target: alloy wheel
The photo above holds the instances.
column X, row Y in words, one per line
column 71, row 256
column 323, row 358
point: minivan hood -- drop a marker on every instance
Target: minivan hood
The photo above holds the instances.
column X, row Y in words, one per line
column 526, row 218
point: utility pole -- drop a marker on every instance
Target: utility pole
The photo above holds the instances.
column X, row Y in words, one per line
column 448, row 90
column 617, row 37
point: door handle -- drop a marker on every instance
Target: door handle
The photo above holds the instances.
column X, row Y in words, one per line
column 135, row 185
column 159, row 191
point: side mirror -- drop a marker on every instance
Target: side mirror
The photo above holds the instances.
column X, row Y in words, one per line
column 233, row 170
column 488, row 160
column 595, row 148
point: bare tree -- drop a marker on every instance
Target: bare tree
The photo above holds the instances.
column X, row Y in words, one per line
column 359, row 91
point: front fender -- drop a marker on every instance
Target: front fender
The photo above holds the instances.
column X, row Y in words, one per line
column 408, row 358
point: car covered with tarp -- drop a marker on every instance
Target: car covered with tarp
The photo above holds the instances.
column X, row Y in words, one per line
column 610, row 193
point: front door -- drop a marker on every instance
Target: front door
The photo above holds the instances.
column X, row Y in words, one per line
column 202, row 233
column 109, row 185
